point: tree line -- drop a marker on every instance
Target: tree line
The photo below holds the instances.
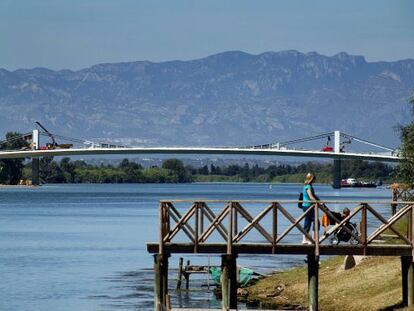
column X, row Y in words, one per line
column 174, row 171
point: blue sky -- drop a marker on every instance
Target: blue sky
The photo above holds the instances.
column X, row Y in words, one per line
column 79, row 33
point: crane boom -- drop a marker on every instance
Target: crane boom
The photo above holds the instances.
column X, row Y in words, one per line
column 48, row 133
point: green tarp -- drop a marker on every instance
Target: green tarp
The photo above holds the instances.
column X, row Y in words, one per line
column 245, row 275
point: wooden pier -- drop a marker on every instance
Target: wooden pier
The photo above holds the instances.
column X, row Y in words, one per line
column 230, row 228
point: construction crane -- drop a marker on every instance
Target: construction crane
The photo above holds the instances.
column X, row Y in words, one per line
column 54, row 144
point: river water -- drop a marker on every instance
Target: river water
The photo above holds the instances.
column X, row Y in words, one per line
column 83, row 247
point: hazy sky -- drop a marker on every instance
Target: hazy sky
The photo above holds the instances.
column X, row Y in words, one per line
column 79, row 33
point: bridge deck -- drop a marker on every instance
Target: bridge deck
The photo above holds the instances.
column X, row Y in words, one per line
column 196, row 150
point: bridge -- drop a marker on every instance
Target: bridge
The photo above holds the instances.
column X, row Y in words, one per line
column 230, row 228
column 86, row 147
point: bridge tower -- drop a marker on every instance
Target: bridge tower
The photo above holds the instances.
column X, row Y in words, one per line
column 35, row 161
column 337, row 162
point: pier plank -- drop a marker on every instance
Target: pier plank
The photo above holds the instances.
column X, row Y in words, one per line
column 291, row 249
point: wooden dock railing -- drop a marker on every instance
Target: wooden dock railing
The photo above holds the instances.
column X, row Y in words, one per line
column 226, row 228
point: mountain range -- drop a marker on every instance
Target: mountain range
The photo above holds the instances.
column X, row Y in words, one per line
column 231, row 98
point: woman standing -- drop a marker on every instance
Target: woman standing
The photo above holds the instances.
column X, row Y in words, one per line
column 309, row 198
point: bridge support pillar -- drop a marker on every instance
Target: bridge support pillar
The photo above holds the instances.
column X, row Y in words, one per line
column 229, row 281
column 35, row 171
column 313, row 282
column 407, row 278
column 160, row 281
column 336, row 174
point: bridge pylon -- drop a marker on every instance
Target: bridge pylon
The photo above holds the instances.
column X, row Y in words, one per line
column 35, row 161
column 336, row 173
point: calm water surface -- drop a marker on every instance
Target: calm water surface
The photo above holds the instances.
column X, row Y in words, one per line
column 83, row 247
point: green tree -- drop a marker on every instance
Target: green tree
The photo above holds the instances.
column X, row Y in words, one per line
column 68, row 169
column 177, row 170
column 50, row 171
column 11, row 170
column 406, row 167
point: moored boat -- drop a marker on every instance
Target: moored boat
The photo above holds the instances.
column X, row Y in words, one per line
column 354, row 183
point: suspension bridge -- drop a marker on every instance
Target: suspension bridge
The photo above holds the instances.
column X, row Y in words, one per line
column 336, row 148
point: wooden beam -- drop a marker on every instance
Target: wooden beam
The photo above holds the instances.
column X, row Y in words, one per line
column 274, row 227
column 182, row 222
column 285, row 249
column 177, row 213
column 387, row 225
column 316, row 224
column 188, row 231
column 216, row 221
column 295, row 223
column 230, row 229
column 253, row 222
column 392, row 220
column 211, row 216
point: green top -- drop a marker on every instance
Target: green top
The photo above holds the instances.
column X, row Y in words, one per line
column 306, row 196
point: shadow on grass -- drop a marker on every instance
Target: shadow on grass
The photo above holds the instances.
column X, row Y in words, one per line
column 397, row 306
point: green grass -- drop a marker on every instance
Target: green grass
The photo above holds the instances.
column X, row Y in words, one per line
column 375, row 284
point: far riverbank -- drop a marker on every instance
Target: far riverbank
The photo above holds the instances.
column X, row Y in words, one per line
column 175, row 171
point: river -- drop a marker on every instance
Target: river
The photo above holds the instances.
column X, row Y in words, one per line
column 83, row 247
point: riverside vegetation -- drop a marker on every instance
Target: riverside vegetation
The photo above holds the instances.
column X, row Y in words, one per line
column 174, row 171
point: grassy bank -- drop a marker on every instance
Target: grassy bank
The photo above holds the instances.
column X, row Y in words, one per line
column 375, row 284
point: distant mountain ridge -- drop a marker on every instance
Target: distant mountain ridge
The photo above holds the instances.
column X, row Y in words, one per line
column 230, row 98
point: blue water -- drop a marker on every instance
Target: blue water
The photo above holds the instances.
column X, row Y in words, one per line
column 83, row 247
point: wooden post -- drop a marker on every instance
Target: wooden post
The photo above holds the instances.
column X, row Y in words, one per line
column 410, row 277
column 313, row 280
column 410, row 282
column 229, row 282
column 187, row 276
column 160, row 280
column 180, row 272
column 406, row 261
column 235, row 220
column 164, row 277
column 363, row 227
column 201, row 218
column 274, row 227
column 409, row 225
column 230, row 229
column 168, row 303
column 162, row 233
column 196, row 226
column 394, row 199
column 316, row 224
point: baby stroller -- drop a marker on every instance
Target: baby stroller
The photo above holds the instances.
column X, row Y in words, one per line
column 342, row 235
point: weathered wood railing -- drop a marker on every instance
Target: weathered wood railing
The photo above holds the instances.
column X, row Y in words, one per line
column 198, row 223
